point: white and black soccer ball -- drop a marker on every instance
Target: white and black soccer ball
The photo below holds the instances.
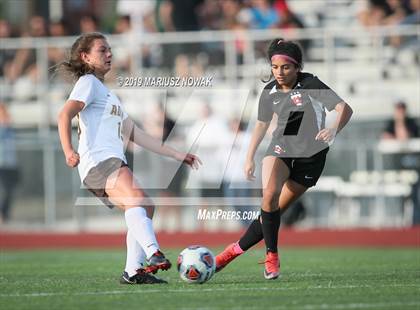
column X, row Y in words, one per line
column 196, row 264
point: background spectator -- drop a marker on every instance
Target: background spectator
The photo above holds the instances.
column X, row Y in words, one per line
column 208, row 126
column 373, row 12
column 260, row 15
column 24, row 62
column 56, row 54
column 6, row 56
column 89, row 23
column 121, row 56
column 402, row 127
column 235, row 185
column 8, row 164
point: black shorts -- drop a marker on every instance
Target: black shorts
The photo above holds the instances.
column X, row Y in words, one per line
column 304, row 171
column 95, row 180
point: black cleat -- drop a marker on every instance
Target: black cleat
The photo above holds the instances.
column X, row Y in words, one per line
column 156, row 262
column 140, row 278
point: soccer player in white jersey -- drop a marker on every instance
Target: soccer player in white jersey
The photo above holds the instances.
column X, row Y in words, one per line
column 104, row 127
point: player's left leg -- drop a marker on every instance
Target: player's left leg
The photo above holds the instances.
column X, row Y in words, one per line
column 290, row 192
column 124, row 191
column 304, row 174
column 275, row 173
column 292, row 189
column 135, row 255
column 134, row 272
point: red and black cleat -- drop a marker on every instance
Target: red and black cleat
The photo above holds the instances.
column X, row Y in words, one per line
column 156, row 262
column 141, row 278
column 226, row 257
column 272, row 266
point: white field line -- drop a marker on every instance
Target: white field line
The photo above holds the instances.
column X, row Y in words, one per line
column 324, row 306
column 200, row 289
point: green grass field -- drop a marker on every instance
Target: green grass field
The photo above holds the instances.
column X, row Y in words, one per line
column 311, row 279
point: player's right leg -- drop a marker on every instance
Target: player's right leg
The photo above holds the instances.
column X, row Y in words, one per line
column 290, row 192
column 124, row 191
column 275, row 172
column 232, row 251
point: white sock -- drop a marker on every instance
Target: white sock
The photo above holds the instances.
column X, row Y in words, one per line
column 135, row 255
column 141, row 227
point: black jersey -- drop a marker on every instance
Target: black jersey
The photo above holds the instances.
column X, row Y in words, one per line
column 301, row 115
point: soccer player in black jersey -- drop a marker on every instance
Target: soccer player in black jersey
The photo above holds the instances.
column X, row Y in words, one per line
column 296, row 155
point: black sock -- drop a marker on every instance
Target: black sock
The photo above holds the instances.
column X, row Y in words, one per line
column 252, row 236
column 270, row 228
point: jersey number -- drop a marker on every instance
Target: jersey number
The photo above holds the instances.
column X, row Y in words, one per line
column 293, row 123
column 119, row 131
column 79, row 130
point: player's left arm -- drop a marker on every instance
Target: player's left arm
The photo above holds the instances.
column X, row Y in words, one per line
column 344, row 113
column 132, row 132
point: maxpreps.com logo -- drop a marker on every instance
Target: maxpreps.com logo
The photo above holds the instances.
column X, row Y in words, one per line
column 296, row 98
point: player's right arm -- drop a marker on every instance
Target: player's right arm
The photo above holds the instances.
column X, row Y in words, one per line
column 67, row 113
column 258, row 134
column 265, row 115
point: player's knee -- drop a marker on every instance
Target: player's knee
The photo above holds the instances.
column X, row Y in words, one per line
column 271, row 195
column 139, row 199
column 150, row 210
column 270, row 199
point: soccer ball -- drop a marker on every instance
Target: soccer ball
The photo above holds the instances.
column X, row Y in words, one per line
column 196, row 264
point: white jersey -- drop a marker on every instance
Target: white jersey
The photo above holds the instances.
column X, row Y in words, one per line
column 100, row 123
